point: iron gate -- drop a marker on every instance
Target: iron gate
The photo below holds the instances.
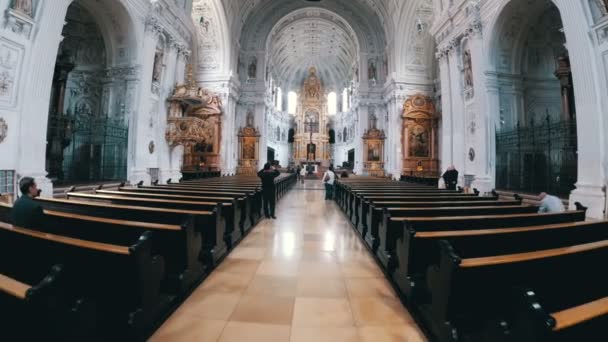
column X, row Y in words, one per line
column 538, row 157
column 98, row 150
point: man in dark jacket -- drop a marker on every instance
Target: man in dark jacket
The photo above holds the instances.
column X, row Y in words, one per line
column 451, row 178
column 26, row 212
column 268, row 174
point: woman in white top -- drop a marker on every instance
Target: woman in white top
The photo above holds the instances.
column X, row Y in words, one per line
column 303, row 174
column 329, row 178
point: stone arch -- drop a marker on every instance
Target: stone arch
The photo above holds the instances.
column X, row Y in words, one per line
column 213, row 45
column 418, row 47
column 592, row 170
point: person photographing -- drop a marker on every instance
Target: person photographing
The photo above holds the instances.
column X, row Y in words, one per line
column 268, row 174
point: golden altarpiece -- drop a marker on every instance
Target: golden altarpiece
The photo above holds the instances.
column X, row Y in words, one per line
column 195, row 122
column 249, row 145
column 419, row 137
column 373, row 149
column 311, row 139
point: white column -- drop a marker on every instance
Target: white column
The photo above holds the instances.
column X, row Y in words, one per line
column 360, row 127
column 481, row 136
column 139, row 131
column 35, row 109
column 592, row 152
column 163, row 150
column 393, row 146
column 445, row 139
column 456, row 108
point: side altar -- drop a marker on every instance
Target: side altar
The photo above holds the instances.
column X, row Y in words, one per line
column 195, row 122
column 311, row 138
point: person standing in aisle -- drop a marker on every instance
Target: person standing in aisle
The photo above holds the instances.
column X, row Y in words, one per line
column 268, row 174
column 329, row 178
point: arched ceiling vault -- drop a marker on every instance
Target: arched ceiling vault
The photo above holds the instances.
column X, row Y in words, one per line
column 356, row 27
column 312, row 37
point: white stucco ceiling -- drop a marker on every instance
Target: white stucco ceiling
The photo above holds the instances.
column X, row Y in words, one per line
column 312, row 37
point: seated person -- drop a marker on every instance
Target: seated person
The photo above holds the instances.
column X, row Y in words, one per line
column 26, row 212
column 550, row 204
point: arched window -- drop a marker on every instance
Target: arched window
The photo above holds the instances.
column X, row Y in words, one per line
column 345, row 105
column 292, row 102
column 332, row 103
column 279, row 100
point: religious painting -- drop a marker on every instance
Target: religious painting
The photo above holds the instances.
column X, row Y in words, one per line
column 373, row 153
column 419, row 142
column 249, row 149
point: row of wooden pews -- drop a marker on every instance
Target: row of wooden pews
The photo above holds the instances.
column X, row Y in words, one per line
column 481, row 268
column 111, row 265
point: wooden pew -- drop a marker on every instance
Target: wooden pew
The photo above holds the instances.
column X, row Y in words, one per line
column 179, row 245
column 369, row 207
column 399, row 254
column 416, row 250
column 467, row 291
column 381, row 238
column 230, row 204
column 355, row 201
column 228, row 222
column 123, row 280
column 532, row 322
column 42, row 311
column 371, row 213
column 207, row 223
column 253, row 206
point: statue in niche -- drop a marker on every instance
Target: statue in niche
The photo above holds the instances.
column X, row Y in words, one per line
column 249, row 119
column 371, row 70
column 252, row 70
column 419, row 142
column 468, row 69
column 157, row 70
column 23, row 6
column 385, row 66
column 204, row 24
column 373, row 121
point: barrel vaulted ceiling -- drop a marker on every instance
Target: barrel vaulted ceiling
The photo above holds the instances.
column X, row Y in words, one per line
column 332, row 35
column 313, row 37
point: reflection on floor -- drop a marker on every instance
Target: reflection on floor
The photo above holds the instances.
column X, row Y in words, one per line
column 303, row 277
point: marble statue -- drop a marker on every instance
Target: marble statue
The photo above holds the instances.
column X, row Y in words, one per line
column 157, row 70
column 468, row 69
column 249, row 119
column 23, row 6
column 252, row 71
column 371, row 71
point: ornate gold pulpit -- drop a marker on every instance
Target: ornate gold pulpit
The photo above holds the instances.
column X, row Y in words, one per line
column 373, row 152
column 249, row 144
column 195, row 122
column 419, row 137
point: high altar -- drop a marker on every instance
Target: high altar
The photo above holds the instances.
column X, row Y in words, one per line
column 311, row 139
column 249, row 144
column 419, row 137
column 195, row 121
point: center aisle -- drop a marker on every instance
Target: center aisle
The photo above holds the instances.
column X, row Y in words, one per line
column 302, row 277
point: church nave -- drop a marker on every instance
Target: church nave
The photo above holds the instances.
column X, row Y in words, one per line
column 303, row 277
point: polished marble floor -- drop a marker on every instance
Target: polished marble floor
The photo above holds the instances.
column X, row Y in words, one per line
column 303, row 277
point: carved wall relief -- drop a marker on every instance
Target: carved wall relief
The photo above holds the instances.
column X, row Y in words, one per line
column 195, row 122
column 3, row 130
